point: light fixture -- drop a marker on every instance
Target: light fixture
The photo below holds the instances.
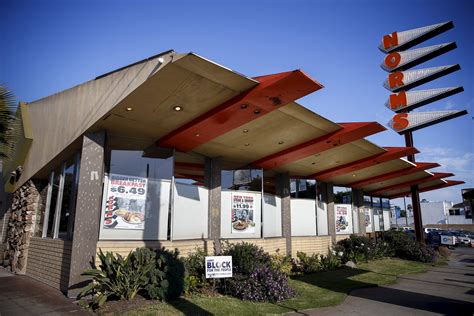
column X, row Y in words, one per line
column 245, row 131
column 256, row 111
column 197, row 134
column 129, row 109
column 246, row 144
column 280, row 142
column 243, row 106
column 178, row 108
column 313, row 163
column 353, row 175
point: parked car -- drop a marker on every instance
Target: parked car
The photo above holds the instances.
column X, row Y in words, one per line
column 462, row 238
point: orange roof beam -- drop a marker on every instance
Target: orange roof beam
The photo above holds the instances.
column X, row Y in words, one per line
column 430, row 188
column 272, row 92
column 420, row 166
column 349, row 132
column 391, row 153
column 435, row 176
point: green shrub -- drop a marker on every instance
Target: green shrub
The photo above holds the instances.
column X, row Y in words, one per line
column 331, row 261
column 282, row 263
column 166, row 279
column 246, row 257
column 405, row 247
column 308, row 264
column 118, row 277
column 356, row 249
column 195, row 277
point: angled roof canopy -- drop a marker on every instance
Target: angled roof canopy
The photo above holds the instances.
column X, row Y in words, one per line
column 202, row 109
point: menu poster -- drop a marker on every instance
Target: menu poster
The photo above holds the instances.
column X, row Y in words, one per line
column 243, row 206
column 368, row 220
column 342, row 219
column 125, row 202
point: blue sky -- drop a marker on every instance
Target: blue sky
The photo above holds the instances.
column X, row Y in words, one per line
column 49, row 46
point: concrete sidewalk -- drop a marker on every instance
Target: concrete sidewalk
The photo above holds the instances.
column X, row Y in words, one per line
column 21, row 295
column 447, row 290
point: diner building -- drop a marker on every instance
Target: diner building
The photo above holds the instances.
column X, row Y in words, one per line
column 178, row 151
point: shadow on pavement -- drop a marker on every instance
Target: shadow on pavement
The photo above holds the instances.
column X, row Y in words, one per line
column 418, row 301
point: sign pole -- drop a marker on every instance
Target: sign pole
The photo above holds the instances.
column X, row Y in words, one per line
column 415, row 196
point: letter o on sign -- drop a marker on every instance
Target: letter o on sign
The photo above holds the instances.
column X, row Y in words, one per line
column 392, row 60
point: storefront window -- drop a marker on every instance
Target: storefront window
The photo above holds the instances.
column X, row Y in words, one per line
column 53, row 203
column 342, row 195
column 242, row 180
column 133, row 163
column 303, row 189
column 367, row 201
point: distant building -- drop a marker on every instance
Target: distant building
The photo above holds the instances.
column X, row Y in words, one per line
column 441, row 212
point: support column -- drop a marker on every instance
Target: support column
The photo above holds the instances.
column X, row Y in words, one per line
column 283, row 191
column 88, row 207
column 212, row 179
column 328, row 198
column 358, row 205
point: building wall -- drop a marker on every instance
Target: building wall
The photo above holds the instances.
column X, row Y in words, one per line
column 310, row 245
column 459, row 219
column 49, row 261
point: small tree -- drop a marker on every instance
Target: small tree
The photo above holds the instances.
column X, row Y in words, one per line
column 7, row 122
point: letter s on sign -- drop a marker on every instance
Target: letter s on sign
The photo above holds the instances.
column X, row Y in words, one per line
column 400, row 121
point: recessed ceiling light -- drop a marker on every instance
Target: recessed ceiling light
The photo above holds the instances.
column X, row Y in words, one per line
column 353, row 175
column 313, row 163
column 197, row 134
column 256, row 111
column 280, row 142
column 128, row 109
column 178, row 108
column 245, row 131
column 246, row 144
column 338, row 161
column 244, row 106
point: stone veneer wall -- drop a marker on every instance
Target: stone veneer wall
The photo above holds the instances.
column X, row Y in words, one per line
column 3, row 233
column 310, row 245
column 25, row 201
column 49, row 261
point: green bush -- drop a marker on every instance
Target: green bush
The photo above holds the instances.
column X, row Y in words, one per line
column 356, row 249
column 405, row 247
column 166, row 279
column 118, row 277
column 195, row 277
column 331, row 261
column 308, row 264
column 246, row 257
column 282, row 263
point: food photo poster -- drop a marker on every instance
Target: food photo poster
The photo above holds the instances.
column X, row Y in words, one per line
column 125, row 202
column 243, row 213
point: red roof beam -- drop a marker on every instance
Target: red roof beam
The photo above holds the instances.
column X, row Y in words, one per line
column 272, row 92
column 391, row 153
column 435, row 176
column 420, row 166
column 430, row 188
column 348, row 133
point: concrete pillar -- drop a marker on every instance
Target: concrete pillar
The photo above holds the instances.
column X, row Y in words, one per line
column 328, row 198
column 212, row 179
column 88, row 209
column 358, row 205
column 283, row 191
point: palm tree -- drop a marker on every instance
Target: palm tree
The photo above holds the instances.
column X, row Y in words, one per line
column 8, row 122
